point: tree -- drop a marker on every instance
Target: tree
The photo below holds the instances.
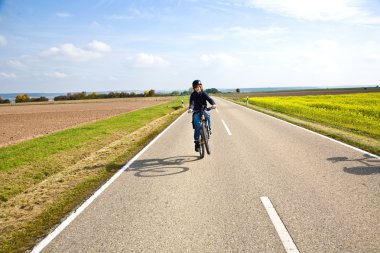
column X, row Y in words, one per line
column 152, row 93
column 82, row 95
column 124, row 94
column 93, row 95
column 22, row 98
column 40, row 99
column 212, row 90
column 146, row 93
column 175, row 93
column 238, row 90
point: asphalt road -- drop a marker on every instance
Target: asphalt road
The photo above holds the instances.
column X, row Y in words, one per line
column 326, row 194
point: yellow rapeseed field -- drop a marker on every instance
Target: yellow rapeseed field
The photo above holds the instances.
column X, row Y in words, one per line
column 359, row 113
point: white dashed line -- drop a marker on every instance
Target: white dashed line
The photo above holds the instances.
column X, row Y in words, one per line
column 286, row 239
column 228, row 130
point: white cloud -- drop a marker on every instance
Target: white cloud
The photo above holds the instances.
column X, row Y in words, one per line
column 112, row 78
column 119, row 17
column 56, row 74
column 208, row 37
column 94, row 50
column 99, row 46
column 146, row 60
column 95, row 24
column 17, row 65
column 4, row 75
column 373, row 58
column 318, row 60
column 326, row 44
column 255, row 32
column 64, row 14
column 220, row 59
column 3, row 41
column 238, row 31
column 325, row 10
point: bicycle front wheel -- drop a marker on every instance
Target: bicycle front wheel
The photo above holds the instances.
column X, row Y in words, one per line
column 206, row 138
column 201, row 148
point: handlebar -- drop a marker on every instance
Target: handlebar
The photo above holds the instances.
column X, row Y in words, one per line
column 204, row 109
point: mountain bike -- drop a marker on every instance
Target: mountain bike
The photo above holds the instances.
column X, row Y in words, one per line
column 205, row 132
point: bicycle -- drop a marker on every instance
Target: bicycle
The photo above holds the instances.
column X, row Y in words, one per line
column 204, row 135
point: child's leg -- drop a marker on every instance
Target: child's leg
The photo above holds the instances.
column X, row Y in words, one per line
column 208, row 116
column 197, row 125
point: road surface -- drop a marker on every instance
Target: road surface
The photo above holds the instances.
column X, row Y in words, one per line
column 326, row 195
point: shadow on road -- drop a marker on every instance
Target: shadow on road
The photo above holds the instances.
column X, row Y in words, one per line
column 368, row 165
column 161, row 167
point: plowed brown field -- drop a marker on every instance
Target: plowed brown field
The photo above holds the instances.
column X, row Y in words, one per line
column 25, row 121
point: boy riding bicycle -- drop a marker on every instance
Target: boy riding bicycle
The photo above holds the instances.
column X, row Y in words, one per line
column 198, row 99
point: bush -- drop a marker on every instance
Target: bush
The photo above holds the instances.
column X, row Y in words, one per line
column 59, row 98
column 212, row 90
column 40, row 99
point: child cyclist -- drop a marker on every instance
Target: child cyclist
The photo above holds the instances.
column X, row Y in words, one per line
column 198, row 99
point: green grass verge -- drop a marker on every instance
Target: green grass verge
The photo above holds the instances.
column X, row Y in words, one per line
column 39, row 148
column 32, row 161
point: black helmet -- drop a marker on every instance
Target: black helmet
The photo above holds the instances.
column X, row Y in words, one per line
column 196, row 83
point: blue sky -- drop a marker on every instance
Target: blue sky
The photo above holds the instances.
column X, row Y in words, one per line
column 89, row 45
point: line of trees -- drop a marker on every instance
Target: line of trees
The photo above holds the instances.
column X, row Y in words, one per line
column 94, row 95
column 21, row 98
column 4, row 101
column 25, row 98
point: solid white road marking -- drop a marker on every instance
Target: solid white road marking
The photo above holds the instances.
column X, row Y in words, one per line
column 75, row 214
column 228, row 130
column 308, row 130
column 286, row 239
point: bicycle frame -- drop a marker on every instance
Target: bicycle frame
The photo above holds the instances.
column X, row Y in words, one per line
column 204, row 135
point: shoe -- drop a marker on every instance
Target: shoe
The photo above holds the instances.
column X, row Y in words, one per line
column 197, row 146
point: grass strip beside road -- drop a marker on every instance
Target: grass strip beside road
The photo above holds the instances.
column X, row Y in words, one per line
column 37, row 193
column 352, row 118
column 39, row 148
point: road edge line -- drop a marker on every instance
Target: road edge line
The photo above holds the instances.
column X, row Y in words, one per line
column 42, row 244
column 311, row 131
column 282, row 232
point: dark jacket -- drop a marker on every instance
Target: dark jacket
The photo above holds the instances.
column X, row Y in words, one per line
column 199, row 99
